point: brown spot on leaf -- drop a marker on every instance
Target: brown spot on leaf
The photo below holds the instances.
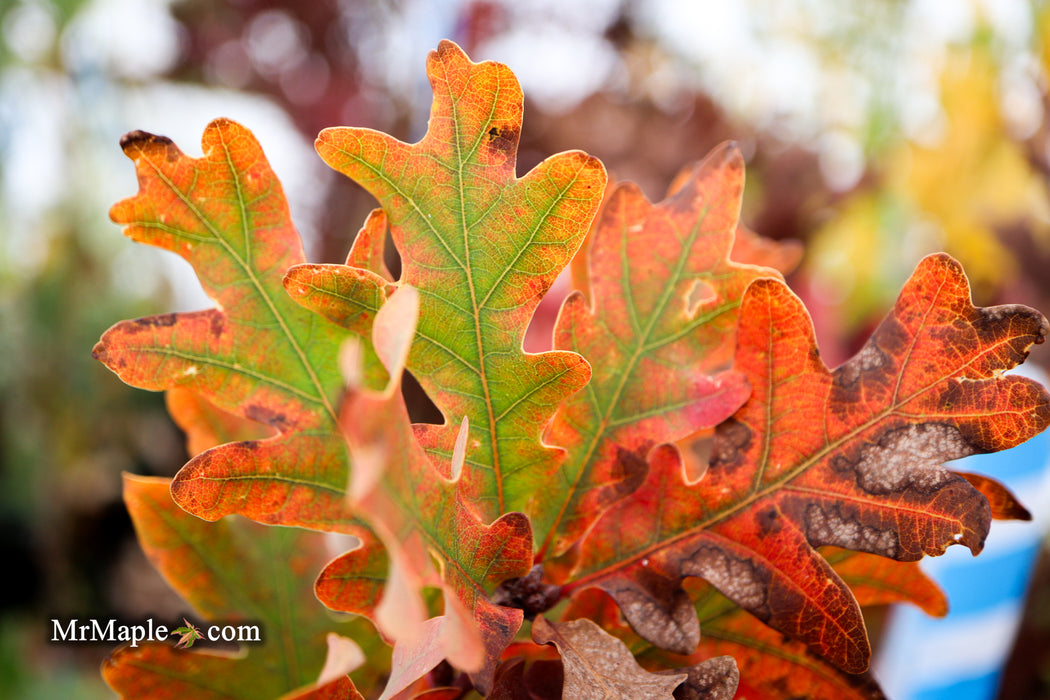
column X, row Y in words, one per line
column 628, row 473
column 503, row 140
column 738, row 578
column 908, row 457
column 267, row 416
column 870, row 359
column 714, row 679
column 599, row 666
column 769, row 521
column 163, row 320
column 657, row 608
column 1026, row 327
column 732, row 440
column 835, row 525
column 218, row 323
column 139, row 138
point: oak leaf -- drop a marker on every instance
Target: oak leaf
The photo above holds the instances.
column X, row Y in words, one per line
column 657, row 327
column 482, row 246
column 421, row 514
column 771, row 665
column 850, row 458
column 774, row 667
column 445, row 567
column 232, row 572
column 259, row 355
column 597, row 665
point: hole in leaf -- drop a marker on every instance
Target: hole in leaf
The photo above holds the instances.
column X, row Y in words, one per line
column 391, row 256
column 696, row 454
column 420, row 408
column 539, row 336
column 699, row 293
column 336, row 542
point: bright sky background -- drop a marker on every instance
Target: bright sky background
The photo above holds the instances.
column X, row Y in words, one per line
column 763, row 65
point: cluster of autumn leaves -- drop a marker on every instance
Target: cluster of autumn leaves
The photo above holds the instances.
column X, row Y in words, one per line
column 556, row 490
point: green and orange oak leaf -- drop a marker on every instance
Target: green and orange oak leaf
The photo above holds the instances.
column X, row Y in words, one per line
column 424, row 517
column 259, row 355
column 233, row 572
column 657, row 326
column 850, row 458
column 482, row 246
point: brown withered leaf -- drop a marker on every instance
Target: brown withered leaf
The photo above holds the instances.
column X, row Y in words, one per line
column 599, row 666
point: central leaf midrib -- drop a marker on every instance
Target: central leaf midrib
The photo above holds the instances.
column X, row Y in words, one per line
column 460, row 154
column 640, row 348
column 773, row 487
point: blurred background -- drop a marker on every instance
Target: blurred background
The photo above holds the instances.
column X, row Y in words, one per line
column 875, row 133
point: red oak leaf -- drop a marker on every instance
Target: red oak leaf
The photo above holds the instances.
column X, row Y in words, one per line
column 850, row 458
column 658, row 331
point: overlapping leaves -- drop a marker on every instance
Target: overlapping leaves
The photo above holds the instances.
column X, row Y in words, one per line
column 419, row 514
column 235, row 573
column 850, row 458
column 482, row 247
column 772, row 666
column 664, row 342
column 661, row 313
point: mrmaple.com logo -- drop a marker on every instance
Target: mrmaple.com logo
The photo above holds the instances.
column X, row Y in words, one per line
column 112, row 631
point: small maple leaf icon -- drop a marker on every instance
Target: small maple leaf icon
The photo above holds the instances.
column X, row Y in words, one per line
column 190, row 634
